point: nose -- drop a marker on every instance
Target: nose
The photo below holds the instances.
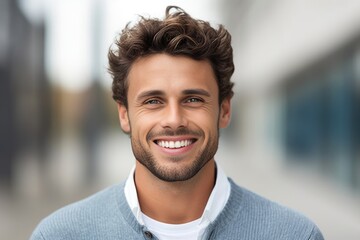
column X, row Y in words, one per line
column 173, row 116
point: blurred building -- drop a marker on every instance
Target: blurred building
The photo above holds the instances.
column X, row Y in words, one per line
column 298, row 65
column 321, row 115
column 24, row 98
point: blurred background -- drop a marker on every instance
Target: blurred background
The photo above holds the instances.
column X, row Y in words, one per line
column 294, row 136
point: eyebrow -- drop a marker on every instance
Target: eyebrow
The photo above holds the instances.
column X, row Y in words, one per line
column 196, row 91
column 150, row 93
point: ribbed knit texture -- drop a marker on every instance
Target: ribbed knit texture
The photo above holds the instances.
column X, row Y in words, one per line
column 106, row 215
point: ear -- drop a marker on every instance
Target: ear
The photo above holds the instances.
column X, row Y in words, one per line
column 124, row 118
column 225, row 113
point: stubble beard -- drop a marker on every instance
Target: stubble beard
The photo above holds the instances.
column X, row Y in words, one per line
column 184, row 173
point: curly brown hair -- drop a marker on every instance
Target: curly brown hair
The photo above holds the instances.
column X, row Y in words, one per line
column 177, row 34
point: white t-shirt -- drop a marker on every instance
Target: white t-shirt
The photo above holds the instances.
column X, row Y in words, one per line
column 188, row 231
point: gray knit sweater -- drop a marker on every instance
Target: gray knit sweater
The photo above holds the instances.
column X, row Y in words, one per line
column 106, row 215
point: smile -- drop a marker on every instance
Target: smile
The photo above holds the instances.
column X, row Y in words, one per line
column 174, row 144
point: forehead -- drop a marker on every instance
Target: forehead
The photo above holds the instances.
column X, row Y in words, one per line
column 170, row 74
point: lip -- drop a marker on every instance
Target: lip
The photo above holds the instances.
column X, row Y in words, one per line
column 175, row 151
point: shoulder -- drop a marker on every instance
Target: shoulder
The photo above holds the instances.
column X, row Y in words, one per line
column 254, row 214
column 82, row 218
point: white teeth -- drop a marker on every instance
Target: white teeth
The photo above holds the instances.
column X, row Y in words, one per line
column 174, row 144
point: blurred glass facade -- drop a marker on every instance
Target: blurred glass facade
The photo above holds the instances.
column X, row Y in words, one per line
column 321, row 115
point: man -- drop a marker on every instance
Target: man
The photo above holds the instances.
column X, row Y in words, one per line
column 171, row 82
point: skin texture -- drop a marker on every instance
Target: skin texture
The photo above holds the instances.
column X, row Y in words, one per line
column 173, row 100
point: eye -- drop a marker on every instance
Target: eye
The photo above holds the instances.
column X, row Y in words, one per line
column 152, row 101
column 193, row 100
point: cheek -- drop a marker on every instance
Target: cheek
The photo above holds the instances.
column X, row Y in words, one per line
column 141, row 124
column 206, row 120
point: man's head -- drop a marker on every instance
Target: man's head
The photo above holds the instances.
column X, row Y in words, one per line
column 177, row 34
column 172, row 85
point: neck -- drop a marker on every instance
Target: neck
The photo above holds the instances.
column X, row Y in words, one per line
column 174, row 202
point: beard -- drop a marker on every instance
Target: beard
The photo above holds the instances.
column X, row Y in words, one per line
column 181, row 172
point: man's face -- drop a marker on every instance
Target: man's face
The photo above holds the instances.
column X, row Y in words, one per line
column 173, row 115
